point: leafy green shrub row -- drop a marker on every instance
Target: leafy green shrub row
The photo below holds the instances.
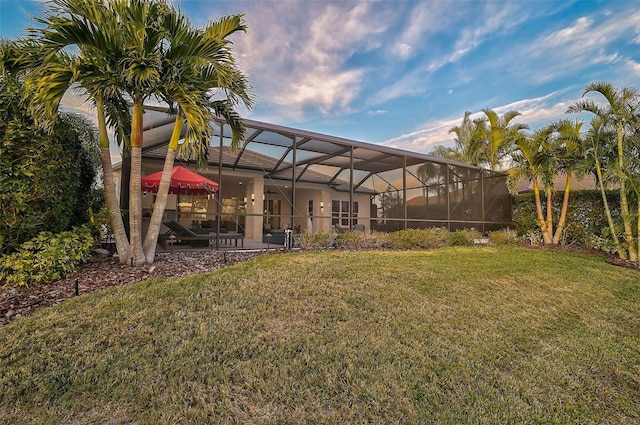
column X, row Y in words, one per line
column 46, row 179
column 418, row 238
column 504, row 237
column 47, row 257
column 432, row 238
column 586, row 221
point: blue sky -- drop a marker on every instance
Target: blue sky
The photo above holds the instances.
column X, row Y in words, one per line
column 402, row 73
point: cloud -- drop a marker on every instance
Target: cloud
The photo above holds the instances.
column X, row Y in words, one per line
column 588, row 41
column 443, row 35
column 534, row 112
column 404, row 50
column 425, row 19
column 633, row 66
column 376, row 112
column 496, row 18
column 296, row 54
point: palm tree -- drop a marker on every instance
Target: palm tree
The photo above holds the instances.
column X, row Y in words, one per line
column 469, row 137
column 135, row 50
column 620, row 112
column 568, row 148
column 597, row 159
column 49, row 72
column 198, row 63
column 533, row 161
column 498, row 136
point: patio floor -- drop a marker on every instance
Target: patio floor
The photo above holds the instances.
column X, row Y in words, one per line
column 249, row 245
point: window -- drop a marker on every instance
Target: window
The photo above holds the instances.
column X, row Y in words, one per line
column 272, row 213
column 340, row 212
column 192, row 207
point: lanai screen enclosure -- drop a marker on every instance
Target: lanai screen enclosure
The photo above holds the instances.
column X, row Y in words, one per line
column 285, row 177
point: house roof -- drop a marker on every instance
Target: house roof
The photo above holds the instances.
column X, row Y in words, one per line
column 560, row 181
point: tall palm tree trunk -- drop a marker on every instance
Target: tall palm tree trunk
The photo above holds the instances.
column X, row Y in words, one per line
column 113, row 206
column 624, row 204
column 135, row 256
column 563, row 211
column 541, row 221
column 612, row 228
column 638, row 223
column 549, row 227
column 151, row 238
column 626, row 220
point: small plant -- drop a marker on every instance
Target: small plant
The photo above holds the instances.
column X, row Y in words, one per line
column 602, row 243
column 463, row 237
column 47, row 257
column 503, row 237
column 360, row 240
column 534, row 237
column 315, row 241
column 436, row 237
column 100, row 223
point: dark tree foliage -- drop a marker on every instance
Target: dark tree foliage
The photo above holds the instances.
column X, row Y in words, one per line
column 584, row 216
column 46, row 180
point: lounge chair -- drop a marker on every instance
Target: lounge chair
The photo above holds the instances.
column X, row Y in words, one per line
column 184, row 234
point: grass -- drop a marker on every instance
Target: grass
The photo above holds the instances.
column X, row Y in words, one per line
column 451, row 336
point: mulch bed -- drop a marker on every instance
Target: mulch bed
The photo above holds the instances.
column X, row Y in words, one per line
column 608, row 258
column 101, row 273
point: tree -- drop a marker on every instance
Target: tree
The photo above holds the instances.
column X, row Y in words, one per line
column 452, row 153
column 49, row 72
column 597, row 156
column 568, row 150
column 46, row 180
column 487, row 141
column 130, row 51
column 533, row 162
column 620, row 112
column 468, row 140
column 498, row 135
column 198, row 64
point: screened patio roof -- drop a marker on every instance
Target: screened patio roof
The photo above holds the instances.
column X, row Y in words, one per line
column 319, row 158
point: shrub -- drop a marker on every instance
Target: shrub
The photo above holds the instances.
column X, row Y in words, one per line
column 503, row 237
column 586, row 224
column 360, row 240
column 46, row 179
column 47, row 257
column 315, row 241
column 418, row 238
column 463, row 237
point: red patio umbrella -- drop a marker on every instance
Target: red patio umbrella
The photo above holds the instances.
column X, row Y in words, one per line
column 183, row 181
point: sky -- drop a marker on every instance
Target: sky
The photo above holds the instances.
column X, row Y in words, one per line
column 402, row 73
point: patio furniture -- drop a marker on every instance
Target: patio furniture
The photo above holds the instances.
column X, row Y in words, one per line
column 184, row 234
column 276, row 238
column 340, row 229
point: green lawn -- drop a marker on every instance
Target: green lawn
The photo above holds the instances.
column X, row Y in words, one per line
column 457, row 335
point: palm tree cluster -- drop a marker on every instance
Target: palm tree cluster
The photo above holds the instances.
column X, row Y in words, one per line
column 609, row 149
column 123, row 53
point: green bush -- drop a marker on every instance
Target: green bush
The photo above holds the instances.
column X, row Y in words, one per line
column 463, row 237
column 315, row 241
column 436, row 237
column 46, row 179
column 433, row 238
column 360, row 240
column 47, row 257
column 586, row 220
column 503, row 237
